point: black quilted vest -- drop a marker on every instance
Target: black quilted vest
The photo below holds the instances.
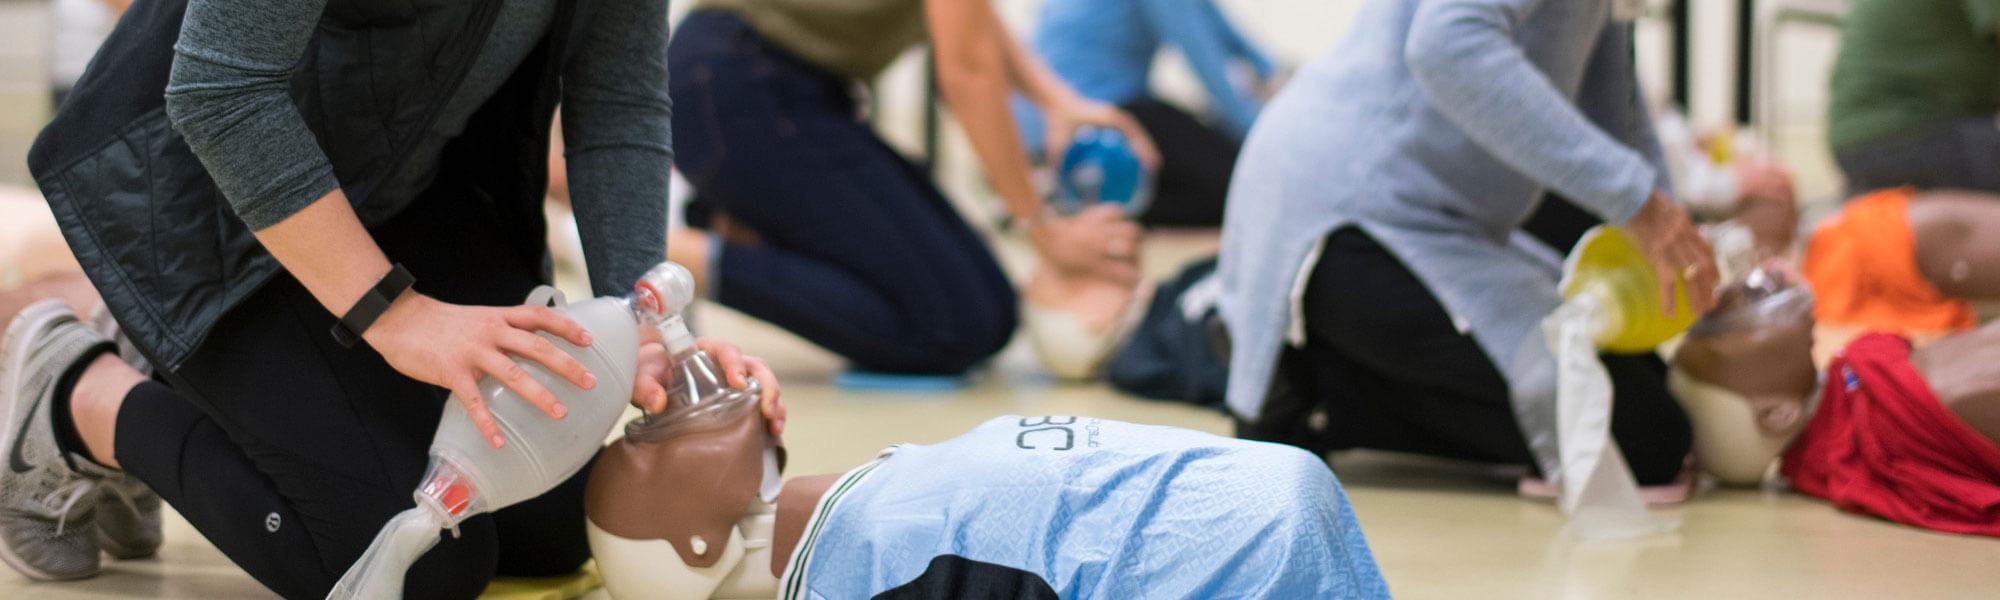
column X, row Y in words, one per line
column 161, row 243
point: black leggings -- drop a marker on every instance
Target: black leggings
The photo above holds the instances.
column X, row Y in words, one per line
column 1384, row 368
column 1196, row 161
column 289, row 452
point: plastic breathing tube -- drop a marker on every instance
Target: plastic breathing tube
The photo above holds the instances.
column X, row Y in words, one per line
column 1612, row 304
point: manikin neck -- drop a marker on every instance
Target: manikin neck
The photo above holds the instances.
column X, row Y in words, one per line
column 786, row 525
column 795, row 506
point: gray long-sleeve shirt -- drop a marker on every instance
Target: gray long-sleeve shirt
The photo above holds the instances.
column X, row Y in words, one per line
column 228, row 96
column 1435, row 127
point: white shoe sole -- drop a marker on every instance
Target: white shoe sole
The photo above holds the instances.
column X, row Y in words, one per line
column 14, row 346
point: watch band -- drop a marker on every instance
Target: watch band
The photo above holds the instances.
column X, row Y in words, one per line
column 371, row 306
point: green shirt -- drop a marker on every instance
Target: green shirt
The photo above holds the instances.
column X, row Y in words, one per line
column 853, row 38
column 1909, row 64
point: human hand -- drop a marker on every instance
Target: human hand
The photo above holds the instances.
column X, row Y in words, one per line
column 649, row 390
column 1063, row 119
column 1099, row 241
column 1767, row 204
column 1670, row 241
column 453, row 346
column 1764, row 179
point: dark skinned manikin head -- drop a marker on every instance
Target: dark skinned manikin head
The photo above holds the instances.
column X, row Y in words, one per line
column 1745, row 373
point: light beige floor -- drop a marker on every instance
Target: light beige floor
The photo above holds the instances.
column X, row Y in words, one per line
column 1439, row 530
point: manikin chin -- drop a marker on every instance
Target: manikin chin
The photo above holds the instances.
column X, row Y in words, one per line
column 654, row 569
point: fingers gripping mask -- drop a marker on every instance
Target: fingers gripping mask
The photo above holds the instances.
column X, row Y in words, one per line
column 1745, row 376
column 680, row 508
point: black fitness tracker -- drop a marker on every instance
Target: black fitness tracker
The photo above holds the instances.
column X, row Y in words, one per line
column 372, row 305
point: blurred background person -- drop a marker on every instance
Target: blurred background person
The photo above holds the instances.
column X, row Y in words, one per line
column 1916, row 94
column 826, row 231
column 1377, row 287
column 1107, row 49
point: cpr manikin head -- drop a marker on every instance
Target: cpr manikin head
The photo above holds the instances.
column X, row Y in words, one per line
column 1745, row 375
column 681, row 507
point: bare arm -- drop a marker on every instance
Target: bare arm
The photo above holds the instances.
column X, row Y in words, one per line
column 1466, row 57
column 1067, row 109
column 327, row 250
column 978, row 63
column 973, row 74
column 1027, row 73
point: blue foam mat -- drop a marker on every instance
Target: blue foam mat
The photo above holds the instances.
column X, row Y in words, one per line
column 856, row 379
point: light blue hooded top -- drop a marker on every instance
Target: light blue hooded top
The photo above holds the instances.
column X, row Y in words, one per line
column 1105, row 49
column 1435, row 127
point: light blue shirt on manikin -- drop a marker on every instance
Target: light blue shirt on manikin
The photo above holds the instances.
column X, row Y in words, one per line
column 1105, row 49
column 1435, row 127
column 1090, row 508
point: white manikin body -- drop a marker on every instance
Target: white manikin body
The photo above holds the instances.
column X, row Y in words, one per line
column 651, row 570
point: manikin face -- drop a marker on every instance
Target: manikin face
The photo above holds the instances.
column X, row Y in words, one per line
column 1745, row 374
column 680, row 508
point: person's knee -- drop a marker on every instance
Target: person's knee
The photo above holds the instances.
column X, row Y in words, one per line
column 1652, row 431
column 960, row 341
column 555, row 561
column 553, row 545
column 950, row 356
column 980, row 339
column 1291, row 414
column 1658, row 449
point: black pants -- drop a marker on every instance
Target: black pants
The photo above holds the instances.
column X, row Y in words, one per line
column 289, row 452
column 1196, row 161
column 1384, row 368
column 859, row 253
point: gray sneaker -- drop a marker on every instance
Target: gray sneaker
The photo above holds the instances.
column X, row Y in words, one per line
column 47, row 500
column 128, row 512
column 128, row 518
column 107, row 328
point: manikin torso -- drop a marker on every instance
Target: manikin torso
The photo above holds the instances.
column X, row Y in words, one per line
column 1964, row 371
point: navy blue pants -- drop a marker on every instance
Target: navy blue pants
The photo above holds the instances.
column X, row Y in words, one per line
column 859, row 252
